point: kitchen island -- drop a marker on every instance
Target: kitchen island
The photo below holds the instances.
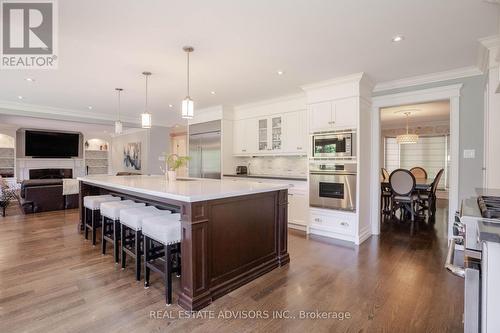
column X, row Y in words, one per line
column 232, row 232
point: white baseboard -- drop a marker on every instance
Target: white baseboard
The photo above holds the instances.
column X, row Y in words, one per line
column 322, row 231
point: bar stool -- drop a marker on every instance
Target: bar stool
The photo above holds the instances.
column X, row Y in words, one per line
column 131, row 233
column 165, row 230
column 92, row 203
column 110, row 214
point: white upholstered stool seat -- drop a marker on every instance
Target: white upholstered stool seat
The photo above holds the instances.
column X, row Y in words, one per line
column 93, row 202
column 132, row 217
column 165, row 229
column 111, row 209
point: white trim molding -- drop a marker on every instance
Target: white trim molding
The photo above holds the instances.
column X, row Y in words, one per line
column 429, row 78
column 451, row 93
column 46, row 112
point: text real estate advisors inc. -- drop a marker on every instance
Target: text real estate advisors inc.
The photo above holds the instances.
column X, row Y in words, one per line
column 251, row 314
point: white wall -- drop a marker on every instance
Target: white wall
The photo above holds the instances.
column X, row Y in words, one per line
column 154, row 143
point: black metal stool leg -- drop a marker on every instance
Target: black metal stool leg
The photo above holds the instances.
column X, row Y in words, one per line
column 168, row 274
column 116, row 238
column 85, row 221
column 94, row 225
column 138, row 236
column 122, row 245
column 147, row 245
column 103, row 231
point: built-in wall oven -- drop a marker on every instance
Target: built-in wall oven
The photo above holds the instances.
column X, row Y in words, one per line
column 332, row 185
column 334, row 144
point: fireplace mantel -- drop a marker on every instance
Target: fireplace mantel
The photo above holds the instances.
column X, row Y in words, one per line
column 24, row 165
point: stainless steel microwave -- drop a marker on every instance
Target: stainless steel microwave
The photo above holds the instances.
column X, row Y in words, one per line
column 334, row 144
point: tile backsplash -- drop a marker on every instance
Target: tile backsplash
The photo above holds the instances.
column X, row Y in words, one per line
column 275, row 165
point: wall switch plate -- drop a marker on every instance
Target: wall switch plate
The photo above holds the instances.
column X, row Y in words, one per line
column 469, row 153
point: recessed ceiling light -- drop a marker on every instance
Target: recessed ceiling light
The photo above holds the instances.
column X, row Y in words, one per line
column 30, row 79
column 213, row 92
column 170, row 105
column 398, row 38
column 90, row 107
column 280, row 72
column 20, row 97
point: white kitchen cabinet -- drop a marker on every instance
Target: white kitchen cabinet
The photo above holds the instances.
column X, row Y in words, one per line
column 333, row 115
column 298, row 209
column 270, row 134
column 333, row 223
column 296, row 137
column 346, row 113
column 244, row 132
column 320, row 116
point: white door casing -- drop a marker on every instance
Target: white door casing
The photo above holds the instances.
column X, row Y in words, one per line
column 451, row 93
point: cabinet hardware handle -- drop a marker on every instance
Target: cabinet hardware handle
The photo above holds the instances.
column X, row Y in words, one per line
column 345, row 224
column 299, row 148
column 291, row 195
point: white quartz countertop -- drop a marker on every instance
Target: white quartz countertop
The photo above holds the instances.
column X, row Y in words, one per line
column 183, row 189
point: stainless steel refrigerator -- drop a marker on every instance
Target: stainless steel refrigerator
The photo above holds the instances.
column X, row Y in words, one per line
column 205, row 150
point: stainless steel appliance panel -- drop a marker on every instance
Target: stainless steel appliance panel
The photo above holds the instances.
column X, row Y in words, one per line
column 333, row 186
column 334, row 144
column 205, row 150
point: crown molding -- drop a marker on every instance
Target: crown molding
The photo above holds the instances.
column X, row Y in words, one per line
column 428, row 78
column 489, row 52
column 270, row 101
column 335, row 81
column 46, row 112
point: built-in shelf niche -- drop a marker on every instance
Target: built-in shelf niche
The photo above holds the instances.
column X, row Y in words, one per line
column 7, row 162
column 96, row 157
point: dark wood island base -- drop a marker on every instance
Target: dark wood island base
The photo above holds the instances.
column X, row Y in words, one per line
column 226, row 242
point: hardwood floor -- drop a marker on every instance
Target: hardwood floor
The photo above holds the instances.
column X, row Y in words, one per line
column 52, row 280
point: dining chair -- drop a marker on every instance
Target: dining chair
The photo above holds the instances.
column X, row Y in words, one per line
column 385, row 173
column 419, row 172
column 402, row 183
column 428, row 199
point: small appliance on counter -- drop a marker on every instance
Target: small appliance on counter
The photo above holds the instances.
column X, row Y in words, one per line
column 241, row 170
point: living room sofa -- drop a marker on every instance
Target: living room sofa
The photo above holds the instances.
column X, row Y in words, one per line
column 43, row 195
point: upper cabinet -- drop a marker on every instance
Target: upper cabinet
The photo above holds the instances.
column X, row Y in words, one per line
column 270, row 134
column 332, row 115
column 244, row 134
column 280, row 134
column 295, row 132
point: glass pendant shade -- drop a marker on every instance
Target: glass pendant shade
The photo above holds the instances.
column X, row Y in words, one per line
column 405, row 139
column 146, row 120
column 118, row 127
column 187, row 108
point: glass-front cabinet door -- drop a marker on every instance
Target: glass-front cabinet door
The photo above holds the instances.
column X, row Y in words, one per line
column 277, row 130
column 270, row 134
column 263, row 133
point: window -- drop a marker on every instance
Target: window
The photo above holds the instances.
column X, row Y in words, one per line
column 430, row 153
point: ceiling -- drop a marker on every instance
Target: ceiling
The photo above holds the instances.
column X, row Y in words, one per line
column 438, row 111
column 239, row 47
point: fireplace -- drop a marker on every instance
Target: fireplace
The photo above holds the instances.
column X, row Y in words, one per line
column 50, row 173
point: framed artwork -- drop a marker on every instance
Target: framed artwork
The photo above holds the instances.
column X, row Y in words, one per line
column 132, row 156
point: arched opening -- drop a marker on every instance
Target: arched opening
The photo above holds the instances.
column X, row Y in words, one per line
column 7, row 155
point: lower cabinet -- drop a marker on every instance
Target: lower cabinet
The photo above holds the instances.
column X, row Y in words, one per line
column 298, row 209
column 333, row 223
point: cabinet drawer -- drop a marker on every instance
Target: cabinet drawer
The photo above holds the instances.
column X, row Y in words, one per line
column 342, row 223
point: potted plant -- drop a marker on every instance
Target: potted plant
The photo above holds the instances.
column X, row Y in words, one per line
column 175, row 162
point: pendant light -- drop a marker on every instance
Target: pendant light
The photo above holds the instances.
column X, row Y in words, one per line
column 146, row 116
column 118, row 123
column 407, row 138
column 187, row 103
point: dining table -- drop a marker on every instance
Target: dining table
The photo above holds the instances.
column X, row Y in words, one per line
column 420, row 183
